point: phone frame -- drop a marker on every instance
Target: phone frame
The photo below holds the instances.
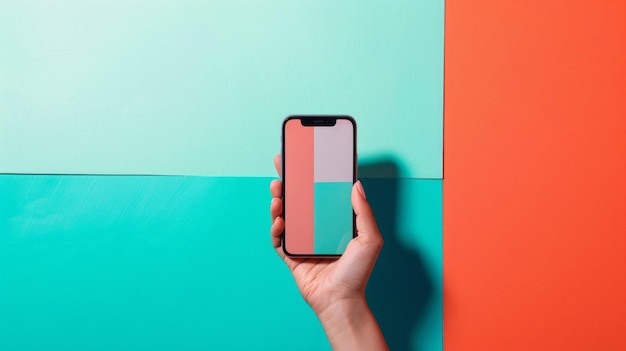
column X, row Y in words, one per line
column 316, row 120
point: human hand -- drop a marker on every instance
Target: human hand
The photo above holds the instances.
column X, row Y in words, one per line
column 335, row 288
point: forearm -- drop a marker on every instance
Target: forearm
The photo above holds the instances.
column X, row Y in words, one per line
column 350, row 325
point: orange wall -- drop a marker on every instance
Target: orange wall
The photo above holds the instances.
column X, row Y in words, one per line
column 535, row 175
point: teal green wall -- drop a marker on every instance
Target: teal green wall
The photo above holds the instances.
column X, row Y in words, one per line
column 201, row 87
column 151, row 263
column 161, row 263
column 405, row 291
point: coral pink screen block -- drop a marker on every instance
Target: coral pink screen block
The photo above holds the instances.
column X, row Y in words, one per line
column 299, row 143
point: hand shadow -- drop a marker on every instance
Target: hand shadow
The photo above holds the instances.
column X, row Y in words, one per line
column 399, row 288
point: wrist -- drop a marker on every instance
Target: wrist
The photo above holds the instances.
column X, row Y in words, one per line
column 350, row 325
column 342, row 310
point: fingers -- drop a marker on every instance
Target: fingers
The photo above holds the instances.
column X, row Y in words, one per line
column 276, row 188
column 278, row 225
column 276, row 208
column 366, row 226
column 277, row 165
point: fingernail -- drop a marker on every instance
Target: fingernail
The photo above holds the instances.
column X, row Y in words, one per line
column 359, row 187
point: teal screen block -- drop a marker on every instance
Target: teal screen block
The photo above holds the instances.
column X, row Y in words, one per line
column 201, row 87
column 332, row 218
column 186, row 263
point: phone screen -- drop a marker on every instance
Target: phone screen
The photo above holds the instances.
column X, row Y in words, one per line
column 318, row 177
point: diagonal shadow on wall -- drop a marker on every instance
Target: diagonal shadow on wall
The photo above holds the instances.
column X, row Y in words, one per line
column 399, row 289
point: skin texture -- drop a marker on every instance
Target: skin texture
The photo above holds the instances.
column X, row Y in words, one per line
column 335, row 288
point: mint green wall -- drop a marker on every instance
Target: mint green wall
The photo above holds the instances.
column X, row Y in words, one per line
column 201, row 87
column 162, row 263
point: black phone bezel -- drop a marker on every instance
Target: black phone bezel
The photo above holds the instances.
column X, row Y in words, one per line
column 317, row 120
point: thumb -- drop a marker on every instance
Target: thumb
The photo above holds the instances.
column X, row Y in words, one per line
column 362, row 251
column 367, row 229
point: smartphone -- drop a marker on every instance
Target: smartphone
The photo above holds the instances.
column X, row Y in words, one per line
column 318, row 171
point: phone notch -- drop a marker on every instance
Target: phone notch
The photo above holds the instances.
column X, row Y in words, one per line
column 321, row 121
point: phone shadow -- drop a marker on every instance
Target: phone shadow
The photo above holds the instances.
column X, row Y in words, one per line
column 400, row 288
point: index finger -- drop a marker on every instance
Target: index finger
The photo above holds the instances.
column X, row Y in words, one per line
column 277, row 162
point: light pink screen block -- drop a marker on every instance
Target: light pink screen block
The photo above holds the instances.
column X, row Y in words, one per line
column 334, row 152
